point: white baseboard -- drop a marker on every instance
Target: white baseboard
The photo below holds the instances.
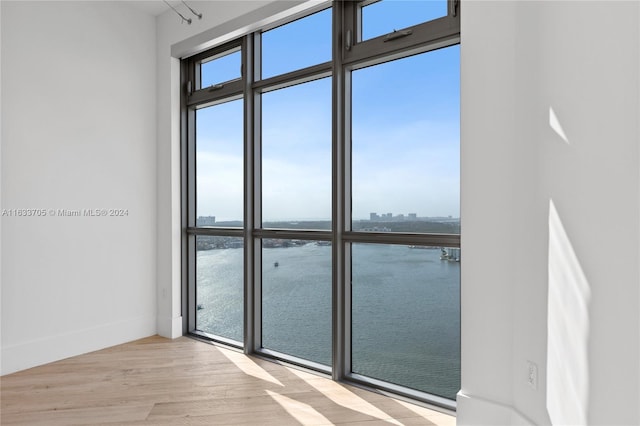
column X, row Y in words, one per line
column 472, row 411
column 33, row 353
column 170, row 327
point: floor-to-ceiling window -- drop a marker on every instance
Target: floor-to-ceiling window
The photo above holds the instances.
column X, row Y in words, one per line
column 321, row 194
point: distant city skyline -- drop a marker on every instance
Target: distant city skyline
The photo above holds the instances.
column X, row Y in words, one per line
column 373, row 216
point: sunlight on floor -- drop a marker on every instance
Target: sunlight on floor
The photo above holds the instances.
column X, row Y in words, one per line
column 304, row 413
column 249, row 367
column 435, row 417
column 344, row 397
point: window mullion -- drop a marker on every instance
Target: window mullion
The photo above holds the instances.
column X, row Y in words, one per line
column 188, row 173
column 210, row 96
column 248, row 59
column 339, row 220
column 253, row 71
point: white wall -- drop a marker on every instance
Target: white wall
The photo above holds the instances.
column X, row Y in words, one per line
column 0, row 189
column 78, row 132
column 550, row 207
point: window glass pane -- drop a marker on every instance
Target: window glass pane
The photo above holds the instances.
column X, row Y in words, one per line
column 385, row 16
column 406, row 144
column 296, row 298
column 297, row 45
column 220, row 69
column 406, row 317
column 219, row 165
column 296, row 156
column 219, row 286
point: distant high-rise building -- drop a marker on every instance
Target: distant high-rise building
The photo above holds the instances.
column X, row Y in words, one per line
column 206, row 221
column 412, row 216
column 373, row 216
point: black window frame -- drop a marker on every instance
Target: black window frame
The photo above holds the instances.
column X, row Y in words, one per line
column 349, row 53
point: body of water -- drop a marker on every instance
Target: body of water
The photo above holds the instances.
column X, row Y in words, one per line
column 405, row 308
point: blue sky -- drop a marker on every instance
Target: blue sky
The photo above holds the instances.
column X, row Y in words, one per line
column 405, row 128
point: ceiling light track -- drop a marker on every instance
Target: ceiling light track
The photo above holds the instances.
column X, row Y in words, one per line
column 184, row 19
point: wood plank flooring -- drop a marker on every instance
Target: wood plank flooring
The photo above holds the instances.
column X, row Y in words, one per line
column 157, row 381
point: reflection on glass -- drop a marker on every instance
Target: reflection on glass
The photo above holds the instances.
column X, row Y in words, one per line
column 385, row 16
column 406, row 144
column 296, row 298
column 219, row 165
column 297, row 45
column 219, row 286
column 220, row 69
column 296, row 156
column 406, row 317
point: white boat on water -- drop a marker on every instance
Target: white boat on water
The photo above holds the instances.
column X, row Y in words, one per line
column 451, row 254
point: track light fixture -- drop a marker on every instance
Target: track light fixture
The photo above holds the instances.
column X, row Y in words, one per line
column 184, row 19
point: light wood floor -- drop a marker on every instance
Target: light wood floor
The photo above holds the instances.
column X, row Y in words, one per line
column 157, row 381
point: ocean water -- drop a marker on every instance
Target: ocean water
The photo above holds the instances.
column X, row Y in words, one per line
column 405, row 308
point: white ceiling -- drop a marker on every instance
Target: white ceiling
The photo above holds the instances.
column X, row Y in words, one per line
column 152, row 7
